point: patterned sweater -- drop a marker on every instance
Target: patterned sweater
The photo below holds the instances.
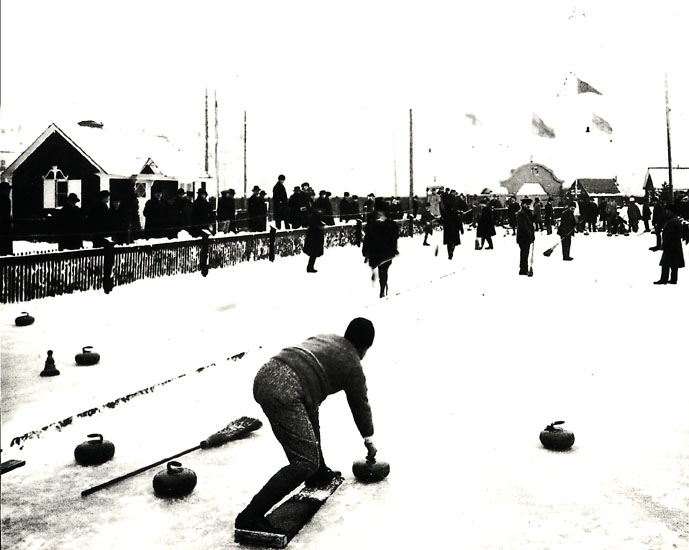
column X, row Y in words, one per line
column 326, row 364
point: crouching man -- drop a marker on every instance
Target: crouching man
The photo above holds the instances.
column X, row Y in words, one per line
column 290, row 388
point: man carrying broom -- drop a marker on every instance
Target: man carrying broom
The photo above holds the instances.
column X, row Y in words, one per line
column 525, row 235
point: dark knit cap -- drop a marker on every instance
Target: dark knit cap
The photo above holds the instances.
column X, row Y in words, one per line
column 360, row 332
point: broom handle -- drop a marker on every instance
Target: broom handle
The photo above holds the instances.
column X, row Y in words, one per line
column 208, row 442
column 135, row 472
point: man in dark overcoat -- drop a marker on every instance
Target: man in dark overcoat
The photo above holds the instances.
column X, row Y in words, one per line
column 568, row 224
column 525, row 234
column 673, row 255
column 280, row 203
column 70, row 223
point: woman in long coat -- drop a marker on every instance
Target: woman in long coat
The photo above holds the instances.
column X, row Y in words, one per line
column 314, row 240
column 485, row 230
column 380, row 245
column 452, row 227
column 673, row 256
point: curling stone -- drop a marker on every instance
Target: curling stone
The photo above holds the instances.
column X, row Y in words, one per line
column 370, row 471
column 87, row 357
column 174, row 481
column 555, row 438
column 24, row 319
column 94, row 451
column 49, row 369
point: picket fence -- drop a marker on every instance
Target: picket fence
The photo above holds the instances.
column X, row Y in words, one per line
column 34, row 276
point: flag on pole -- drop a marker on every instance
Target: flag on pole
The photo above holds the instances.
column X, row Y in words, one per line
column 540, row 128
column 472, row 118
column 583, row 87
column 600, row 123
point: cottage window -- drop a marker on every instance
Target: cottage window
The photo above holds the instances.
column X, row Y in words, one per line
column 61, row 192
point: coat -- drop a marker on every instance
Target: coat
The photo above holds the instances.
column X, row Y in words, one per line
column 452, row 226
column 568, row 224
column 525, row 227
column 486, row 226
column 314, row 240
column 673, row 255
column 380, row 241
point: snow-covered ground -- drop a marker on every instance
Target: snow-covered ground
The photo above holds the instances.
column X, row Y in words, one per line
column 470, row 363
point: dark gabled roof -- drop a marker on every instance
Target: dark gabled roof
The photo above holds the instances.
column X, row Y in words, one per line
column 598, row 186
column 660, row 175
column 122, row 153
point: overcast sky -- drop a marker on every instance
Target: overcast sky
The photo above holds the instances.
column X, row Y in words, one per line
column 327, row 86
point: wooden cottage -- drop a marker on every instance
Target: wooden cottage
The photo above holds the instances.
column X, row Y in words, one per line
column 596, row 189
column 88, row 160
column 659, row 177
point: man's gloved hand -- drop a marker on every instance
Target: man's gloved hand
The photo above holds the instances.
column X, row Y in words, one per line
column 371, row 448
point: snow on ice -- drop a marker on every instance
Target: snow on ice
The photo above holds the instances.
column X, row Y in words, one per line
column 470, row 362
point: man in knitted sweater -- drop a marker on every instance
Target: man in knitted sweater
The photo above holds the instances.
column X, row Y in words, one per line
column 290, row 388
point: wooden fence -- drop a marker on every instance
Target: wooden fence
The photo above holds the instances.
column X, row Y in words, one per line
column 35, row 276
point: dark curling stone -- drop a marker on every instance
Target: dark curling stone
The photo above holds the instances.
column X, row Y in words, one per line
column 87, row 357
column 24, row 319
column 49, row 369
column 555, row 438
column 94, row 451
column 370, row 471
column 174, row 481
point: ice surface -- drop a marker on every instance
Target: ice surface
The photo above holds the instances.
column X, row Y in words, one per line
column 470, row 363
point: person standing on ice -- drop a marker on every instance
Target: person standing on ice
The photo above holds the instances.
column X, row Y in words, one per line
column 525, row 234
column 485, row 229
column 452, row 225
column 673, row 255
column 633, row 215
column 314, row 240
column 380, row 244
column 568, row 225
column 290, row 388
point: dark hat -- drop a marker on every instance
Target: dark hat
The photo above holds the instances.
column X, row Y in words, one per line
column 256, row 188
column 305, row 183
column 180, row 191
column 202, row 191
column 526, row 200
column 297, row 188
column 322, row 192
column 231, row 191
column 73, row 197
column 281, row 178
column 104, row 194
column 224, row 192
column 360, row 332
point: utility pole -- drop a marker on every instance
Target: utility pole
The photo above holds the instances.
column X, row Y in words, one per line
column 411, row 159
column 245, row 178
column 671, row 198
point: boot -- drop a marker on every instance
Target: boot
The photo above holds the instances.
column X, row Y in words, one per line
column 322, row 477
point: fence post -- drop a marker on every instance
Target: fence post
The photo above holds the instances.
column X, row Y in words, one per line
column 108, row 264
column 204, row 251
column 357, row 233
column 271, row 249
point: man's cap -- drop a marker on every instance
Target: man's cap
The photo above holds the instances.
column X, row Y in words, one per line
column 73, row 197
column 360, row 332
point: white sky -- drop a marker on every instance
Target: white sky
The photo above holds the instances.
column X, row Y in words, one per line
column 327, row 86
